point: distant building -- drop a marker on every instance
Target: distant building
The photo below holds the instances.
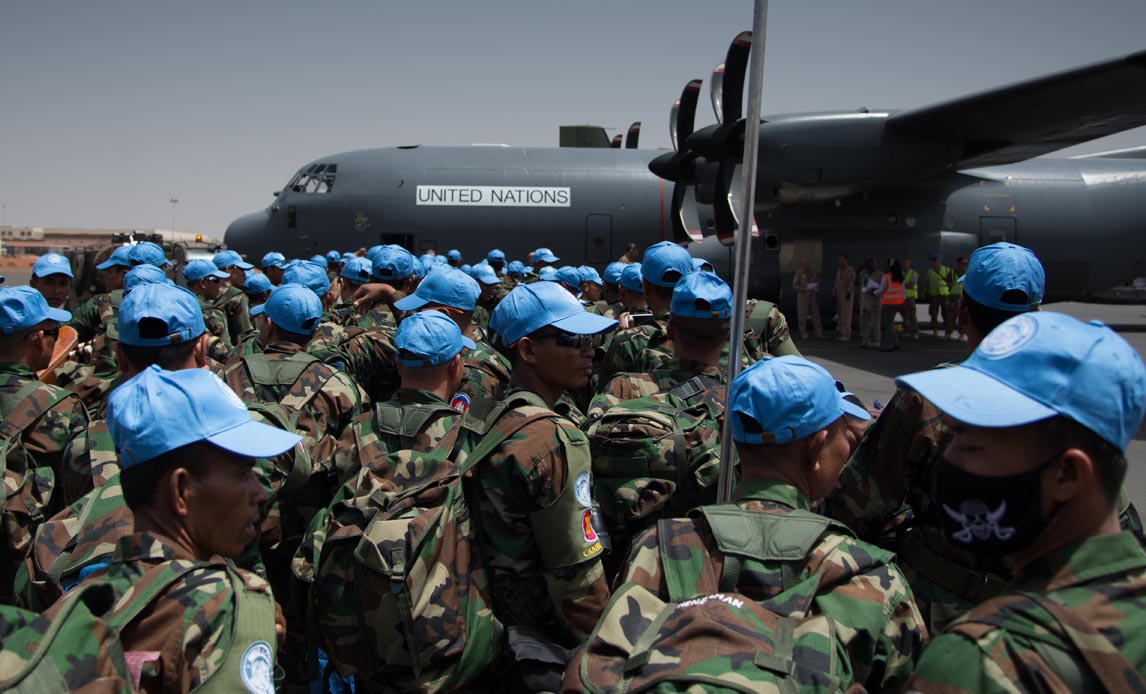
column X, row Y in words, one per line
column 39, row 240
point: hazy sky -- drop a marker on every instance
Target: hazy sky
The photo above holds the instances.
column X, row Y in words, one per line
column 110, row 108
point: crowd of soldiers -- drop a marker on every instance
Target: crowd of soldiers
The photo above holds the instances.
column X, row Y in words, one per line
column 185, row 484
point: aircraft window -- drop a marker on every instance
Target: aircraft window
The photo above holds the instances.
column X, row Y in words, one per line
column 318, row 178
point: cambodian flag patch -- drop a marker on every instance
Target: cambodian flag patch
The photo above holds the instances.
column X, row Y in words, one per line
column 461, row 402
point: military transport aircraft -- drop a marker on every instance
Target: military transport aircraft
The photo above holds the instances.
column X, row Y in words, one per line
column 947, row 177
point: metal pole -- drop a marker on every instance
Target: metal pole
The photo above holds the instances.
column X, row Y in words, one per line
column 743, row 238
column 173, row 203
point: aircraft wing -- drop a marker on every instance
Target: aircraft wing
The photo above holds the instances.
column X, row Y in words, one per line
column 1027, row 119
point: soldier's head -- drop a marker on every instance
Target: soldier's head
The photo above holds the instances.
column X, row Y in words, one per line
column 496, row 260
column 664, row 264
column 148, row 253
column 699, row 317
column 355, row 273
column 257, row 287
column 141, row 275
column 292, row 313
column 447, row 290
column 591, row 284
column 52, row 276
column 273, row 264
column 233, row 264
column 1001, row 280
column 611, row 282
column 430, row 346
column 542, row 257
column 547, row 335
column 187, row 448
column 394, row 265
column 454, row 257
column 29, row 327
column 842, row 261
column 569, row 278
column 1040, row 414
column 789, row 422
column 488, row 280
column 115, row 267
column 159, row 323
column 313, row 276
column 204, row 279
column 632, row 288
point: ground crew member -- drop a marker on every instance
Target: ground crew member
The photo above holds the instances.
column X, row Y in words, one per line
column 49, row 422
column 869, row 304
column 231, row 299
column 52, row 277
column 957, row 294
column 892, row 296
column 538, row 533
column 205, row 281
column 790, row 426
column 632, row 254
column 939, row 281
column 1040, row 416
column 807, row 283
column 893, row 463
column 273, row 264
column 187, row 447
column 429, row 346
column 845, row 298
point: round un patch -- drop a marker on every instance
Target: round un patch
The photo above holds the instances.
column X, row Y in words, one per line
column 1008, row 337
column 582, row 489
column 257, row 668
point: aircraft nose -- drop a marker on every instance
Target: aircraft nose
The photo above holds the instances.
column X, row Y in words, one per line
column 247, row 234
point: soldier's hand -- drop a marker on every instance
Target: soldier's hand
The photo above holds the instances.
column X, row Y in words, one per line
column 625, row 319
column 280, row 624
column 370, row 294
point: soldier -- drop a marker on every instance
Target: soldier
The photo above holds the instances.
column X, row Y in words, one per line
column 487, row 300
column 355, row 273
column 232, row 300
column 611, row 288
column 204, row 280
column 911, row 295
column 939, row 281
column 631, row 291
column 273, row 264
column 97, row 311
column 1040, row 416
column 537, row 521
column 893, row 463
column 148, row 253
column 790, row 426
column 547, row 274
column 542, row 257
column 417, row 418
column 869, row 304
column 394, row 266
column 496, row 260
column 187, row 447
column 257, row 288
column 569, row 277
column 45, row 424
column 333, row 263
column 52, row 277
column 454, row 257
column 515, row 274
column 592, row 287
column 845, row 298
column 807, row 284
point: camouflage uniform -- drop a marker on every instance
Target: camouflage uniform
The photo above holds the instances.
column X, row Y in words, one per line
column 486, row 372
column 860, row 588
column 481, row 317
column 413, row 419
column 95, row 323
column 233, row 303
column 189, row 631
column 219, row 346
column 370, row 358
column 627, row 386
column 536, row 527
column 91, row 318
column 1011, row 643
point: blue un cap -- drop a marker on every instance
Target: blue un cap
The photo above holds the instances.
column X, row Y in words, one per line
column 701, row 295
column 319, row 259
column 547, row 274
column 1038, row 365
column 120, row 256
column 664, row 263
column 484, row 273
column 310, row 275
column 530, row 307
column 515, row 268
column 256, row 283
column 392, row 263
column 495, row 256
column 274, row 259
column 454, row 254
column 158, row 315
column 148, row 253
column 198, row 269
column 226, row 259
column 589, row 274
column 143, row 274
column 24, row 307
column 429, row 338
column 159, row 411
column 446, row 286
column 783, row 399
column 995, row 270
column 631, row 278
column 702, row 265
column 292, row 307
column 333, row 257
column 357, row 270
column 613, row 272
column 569, row 276
column 544, row 255
column 52, row 264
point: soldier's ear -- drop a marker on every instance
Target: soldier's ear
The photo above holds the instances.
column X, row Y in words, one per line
column 1074, row 474
column 527, row 350
column 200, row 351
column 178, row 484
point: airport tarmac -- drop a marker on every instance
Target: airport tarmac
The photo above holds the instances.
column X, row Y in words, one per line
column 870, row 374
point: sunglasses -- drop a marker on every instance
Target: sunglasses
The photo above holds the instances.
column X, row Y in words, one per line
column 564, row 339
column 51, row 332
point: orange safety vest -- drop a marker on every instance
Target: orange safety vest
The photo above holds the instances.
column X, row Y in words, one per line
column 894, row 294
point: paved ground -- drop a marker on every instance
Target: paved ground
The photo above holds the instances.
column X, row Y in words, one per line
column 871, row 374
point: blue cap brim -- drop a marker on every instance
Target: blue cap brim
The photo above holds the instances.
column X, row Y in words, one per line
column 853, row 410
column 469, row 344
column 258, row 310
column 255, row 440
column 410, row 302
column 59, row 315
column 585, row 323
column 66, row 273
column 243, row 265
column 109, row 264
column 975, row 398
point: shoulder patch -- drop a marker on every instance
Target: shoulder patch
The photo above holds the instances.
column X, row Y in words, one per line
column 257, row 668
column 582, row 488
column 461, row 402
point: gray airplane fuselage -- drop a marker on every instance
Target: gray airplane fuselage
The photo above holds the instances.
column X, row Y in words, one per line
column 1083, row 217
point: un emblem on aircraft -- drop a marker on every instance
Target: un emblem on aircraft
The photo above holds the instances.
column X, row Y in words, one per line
column 1008, row 337
column 361, row 222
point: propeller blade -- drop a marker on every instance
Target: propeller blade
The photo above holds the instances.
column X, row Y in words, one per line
column 685, row 215
column 682, row 118
column 716, row 92
column 729, row 199
column 616, row 141
column 735, row 70
column 633, row 136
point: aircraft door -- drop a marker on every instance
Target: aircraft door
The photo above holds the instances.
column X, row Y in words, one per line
column 995, row 229
column 598, row 239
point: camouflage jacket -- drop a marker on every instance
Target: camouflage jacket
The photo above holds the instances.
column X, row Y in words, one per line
column 91, row 318
column 486, row 373
column 413, row 419
column 297, row 381
column 627, row 386
column 481, row 317
column 370, row 358
column 770, row 330
column 536, row 524
column 189, row 630
column 1011, row 643
column 860, row 587
column 56, row 433
column 219, row 347
column 233, row 303
column 626, row 346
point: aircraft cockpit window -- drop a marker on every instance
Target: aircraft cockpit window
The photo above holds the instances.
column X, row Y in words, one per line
column 318, row 178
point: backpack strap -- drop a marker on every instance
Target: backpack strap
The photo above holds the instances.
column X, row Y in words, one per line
column 254, row 621
column 169, row 573
column 681, row 577
column 279, row 372
column 405, row 421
